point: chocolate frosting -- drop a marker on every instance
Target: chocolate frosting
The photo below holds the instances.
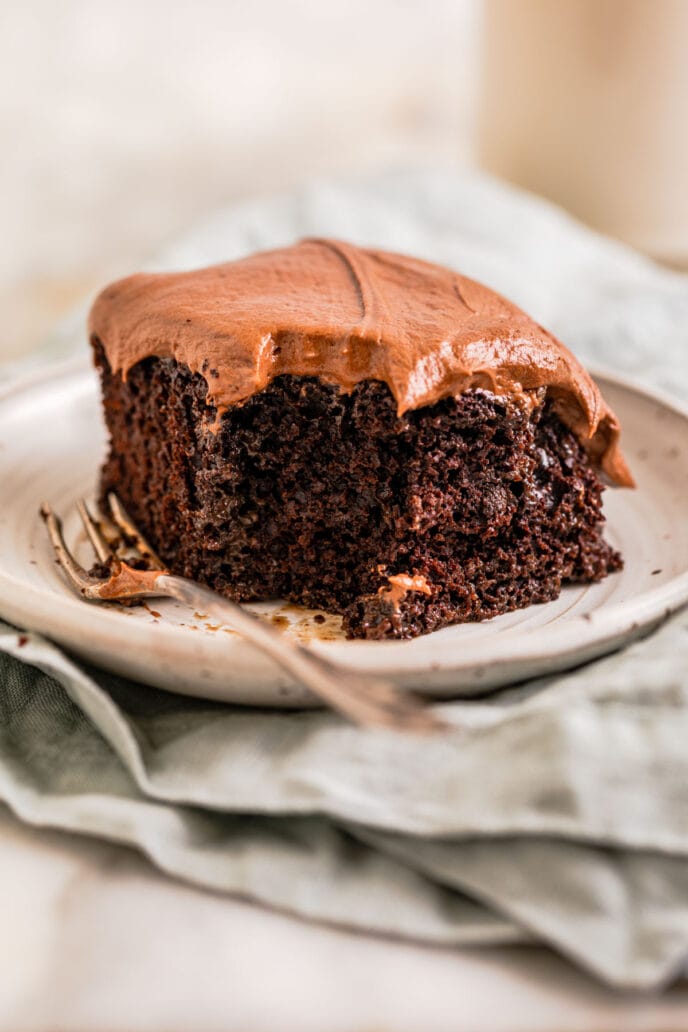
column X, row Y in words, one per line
column 346, row 314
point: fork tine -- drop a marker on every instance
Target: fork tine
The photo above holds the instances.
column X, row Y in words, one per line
column 95, row 534
column 74, row 570
column 125, row 523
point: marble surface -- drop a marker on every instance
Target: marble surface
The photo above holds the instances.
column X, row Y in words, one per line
column 92, row 939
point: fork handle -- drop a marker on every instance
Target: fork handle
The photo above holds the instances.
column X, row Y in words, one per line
column 364, row 699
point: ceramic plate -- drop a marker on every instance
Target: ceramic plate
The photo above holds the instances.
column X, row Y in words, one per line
column 52, row 441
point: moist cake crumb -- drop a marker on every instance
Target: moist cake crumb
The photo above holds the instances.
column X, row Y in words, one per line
column 402, row 524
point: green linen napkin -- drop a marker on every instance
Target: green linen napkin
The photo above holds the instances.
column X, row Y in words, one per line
column 558, row 812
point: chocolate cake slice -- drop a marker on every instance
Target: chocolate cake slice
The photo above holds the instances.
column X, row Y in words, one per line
column 356, row 431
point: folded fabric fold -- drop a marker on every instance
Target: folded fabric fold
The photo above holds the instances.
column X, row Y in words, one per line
column 503, row 831
column 597, row 755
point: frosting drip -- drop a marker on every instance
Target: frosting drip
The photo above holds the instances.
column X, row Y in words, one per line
column 346, row 314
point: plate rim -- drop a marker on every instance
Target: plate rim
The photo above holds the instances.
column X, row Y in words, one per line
column 511, row 646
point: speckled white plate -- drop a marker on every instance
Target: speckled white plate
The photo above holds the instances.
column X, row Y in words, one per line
column 52, row 441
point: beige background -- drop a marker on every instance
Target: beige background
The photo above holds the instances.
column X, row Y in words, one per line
column 122, row 122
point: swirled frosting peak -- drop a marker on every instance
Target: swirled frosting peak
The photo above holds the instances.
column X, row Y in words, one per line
column 346, row 314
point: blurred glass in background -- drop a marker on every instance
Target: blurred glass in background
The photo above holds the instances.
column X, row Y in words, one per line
column 586, row 103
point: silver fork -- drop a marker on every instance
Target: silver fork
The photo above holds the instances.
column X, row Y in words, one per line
column 366, row 700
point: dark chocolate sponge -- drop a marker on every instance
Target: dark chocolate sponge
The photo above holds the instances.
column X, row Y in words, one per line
column 317, row 496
